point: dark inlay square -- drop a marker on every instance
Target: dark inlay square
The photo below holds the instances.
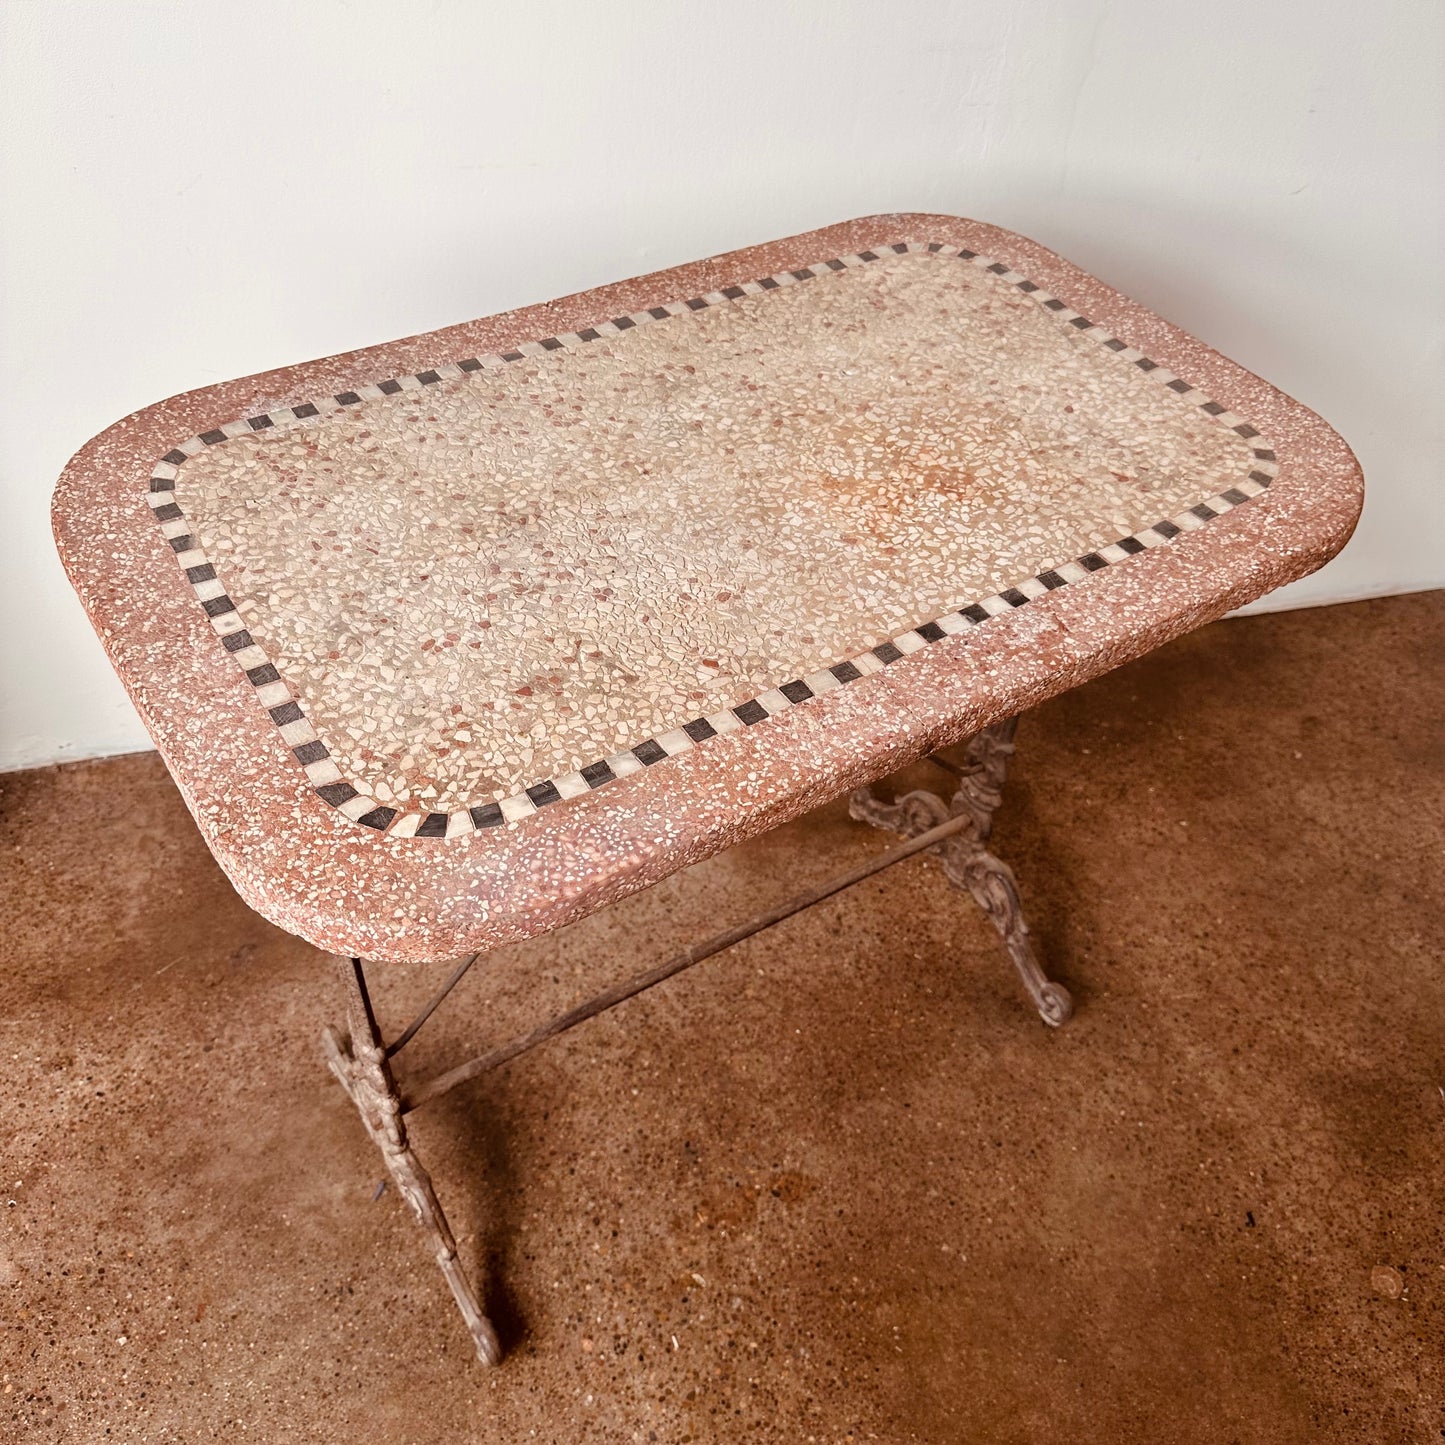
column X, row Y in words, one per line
column 389, row 387
column 845, row 672
column 1180, row 385
column 486, row 815
column 1204, row 511
column 1051, row 579
column 1212, row 407
column 204, row 573
column 900, row 247
column 551, row 343
column 1234, row 495
column 378, row 818
column 544, row 792
column 1263, row 454
column 699, row 729
column 1166, row 529
column 1132, row 545
column 1082, row 322
column 1028, row 285
column 768, row 284
column 623, row 323
column 733, row 292
column 696, row 303
column 966, row 255
column 167, row 513
column 306, row 409
column 285, row 712
column 796, row 691
column 337, row 793
column 804, row 275
column 1263, row 478
column 260, row 676
column 835, row 266
column 237, row 641
column 595, row 774
column 434, row 825
column 931, row 632
column 163, row 484
column 659, row 313
column 260, row 423
column 935, row 245
column 470, row 364
column 867, row 255
column 175, row 458
column 1014, row 597
column 589, row 335
column 1245, row 430
column 1092, row 562
column 347, row 398
column 1054, row 304
column 212, row 437
column 649, row 752
column 1114, row 344
column 887, row 652
column 998, row 268
column 428, row 378
column 974, row 613
column 750, row 712
column 511, row 356
column 312, row 752
column 215, row 606
column 1144, row 364
column 182, row 544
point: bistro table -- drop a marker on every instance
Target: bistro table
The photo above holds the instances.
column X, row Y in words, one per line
column 454, row 640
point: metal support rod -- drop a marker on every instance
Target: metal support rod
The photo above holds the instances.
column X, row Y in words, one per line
column 362, row 1016
column 409, row 1032
column 621, row 992
column 949, row 766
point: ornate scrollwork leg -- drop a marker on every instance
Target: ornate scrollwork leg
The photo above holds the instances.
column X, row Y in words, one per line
column 967, row 862
column 360, row 1064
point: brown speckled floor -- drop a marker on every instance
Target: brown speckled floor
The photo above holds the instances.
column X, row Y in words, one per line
column 838, row 1185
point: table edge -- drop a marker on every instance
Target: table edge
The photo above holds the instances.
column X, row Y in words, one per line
column 1282, row 538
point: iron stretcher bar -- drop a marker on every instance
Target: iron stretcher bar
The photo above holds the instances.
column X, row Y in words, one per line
column 620, row 992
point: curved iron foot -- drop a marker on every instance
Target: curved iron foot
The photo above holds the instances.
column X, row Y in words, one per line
column 967, row 862
column 991, row 881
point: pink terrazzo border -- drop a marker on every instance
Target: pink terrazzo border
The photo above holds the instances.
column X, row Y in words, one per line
column 356, row 891
column 351, row 796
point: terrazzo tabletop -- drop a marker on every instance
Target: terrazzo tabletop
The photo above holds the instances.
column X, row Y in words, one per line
column 453, row 640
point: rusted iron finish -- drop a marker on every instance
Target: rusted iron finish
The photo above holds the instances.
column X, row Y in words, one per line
column 620, row 992
column 430, row 1007
column 360, row 1064
column 967, row 862
column 956, row 829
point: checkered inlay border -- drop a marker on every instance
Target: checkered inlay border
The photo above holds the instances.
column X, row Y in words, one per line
column 311, row 753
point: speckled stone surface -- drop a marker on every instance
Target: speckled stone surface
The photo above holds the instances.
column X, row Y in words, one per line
column 488, row 582
column 453, row 640
column 843, row 1166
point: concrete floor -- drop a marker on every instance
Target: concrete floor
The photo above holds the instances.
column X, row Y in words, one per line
column 837, row 1185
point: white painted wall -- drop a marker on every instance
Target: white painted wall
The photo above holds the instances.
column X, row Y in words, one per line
column 206, row 188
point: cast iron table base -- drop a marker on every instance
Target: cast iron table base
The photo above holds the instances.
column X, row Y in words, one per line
column 956, row 828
